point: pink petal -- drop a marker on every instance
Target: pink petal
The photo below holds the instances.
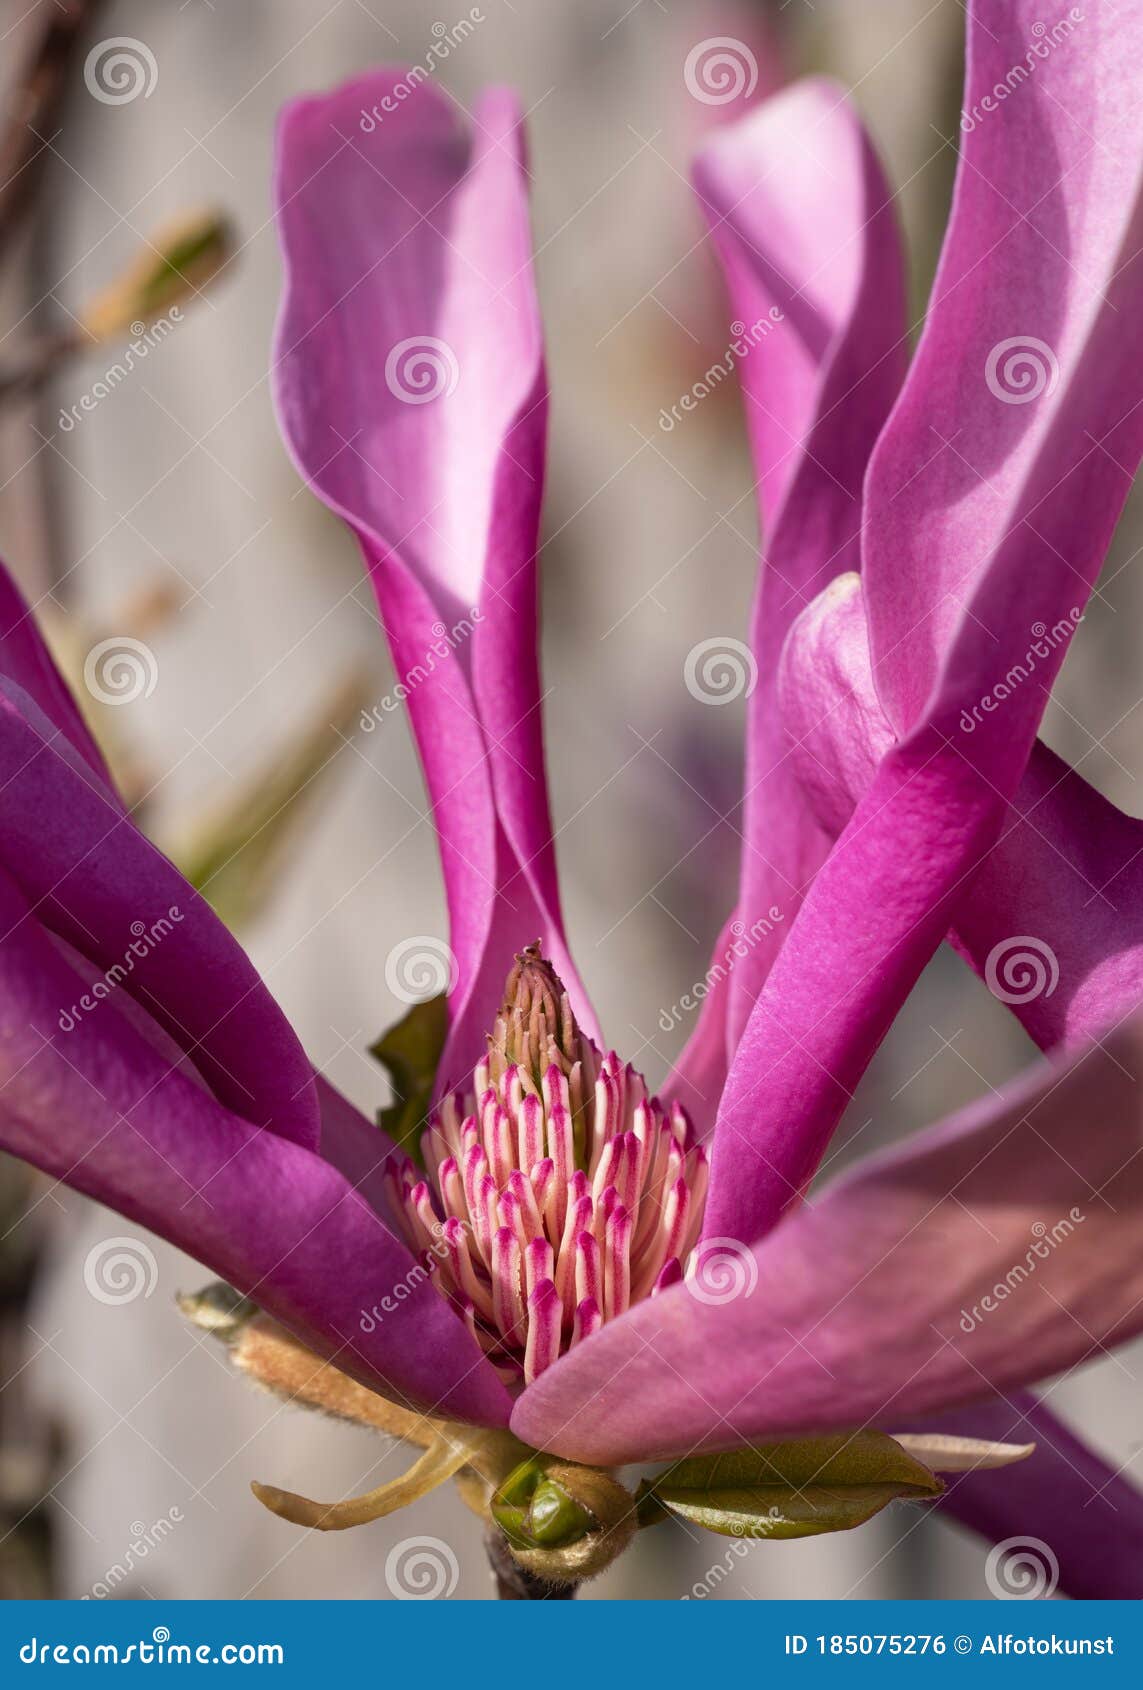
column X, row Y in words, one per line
column 1053, row 919
column 25, row 659
column 996, row 486
column 876, row 912
column 357, row 1148
column 1067, row 875
column 411, row 392
column 964, row 550
column 804, row 227
column 99, row 1108
column 107, row 891
column 870, row 1306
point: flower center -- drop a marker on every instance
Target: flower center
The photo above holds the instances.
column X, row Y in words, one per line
column 558, row 1193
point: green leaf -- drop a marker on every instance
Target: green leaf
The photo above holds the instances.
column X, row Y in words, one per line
column 410, row 1052
column 176, row 262
column 793, row 1489
column 845, row 1458
column 197, row 249
column 773, row 1512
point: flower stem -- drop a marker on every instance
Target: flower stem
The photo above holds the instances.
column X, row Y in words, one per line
column 513, row 1582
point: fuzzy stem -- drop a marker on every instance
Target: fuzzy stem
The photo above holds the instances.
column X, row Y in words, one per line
column 513, row 1582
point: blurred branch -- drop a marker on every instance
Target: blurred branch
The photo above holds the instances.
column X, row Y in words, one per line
column 174, row 265
column 32, row 106
column 24, row 376
column 235, row 858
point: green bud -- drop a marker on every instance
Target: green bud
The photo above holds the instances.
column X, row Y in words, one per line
column 176, row 263
column 563, row 1522
column 557, row 1517
column 217, row 1308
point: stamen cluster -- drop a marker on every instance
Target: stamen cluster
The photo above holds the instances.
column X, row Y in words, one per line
column 558, row 1192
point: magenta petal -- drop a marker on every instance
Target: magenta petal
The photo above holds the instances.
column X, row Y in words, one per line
column 411, row 392
column 25, row 659
column 875, row 914
column 831, row 714
column 872, row 1305
column 357, row 1148
column 968, row 544
column 1053, row 919
column 98, row 1108
column 697, row 1079
column 105, row 889
column 1089, row 1516
column 805, row 230
column 996, row 486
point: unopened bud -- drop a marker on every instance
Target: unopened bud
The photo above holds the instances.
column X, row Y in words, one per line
column 562, row 1522
column 177, row 262
column 218, row 1309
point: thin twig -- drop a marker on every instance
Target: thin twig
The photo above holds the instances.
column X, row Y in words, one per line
column 32, row 107
column 26, row 375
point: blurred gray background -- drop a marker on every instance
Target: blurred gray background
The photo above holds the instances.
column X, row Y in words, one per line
column 178, row 481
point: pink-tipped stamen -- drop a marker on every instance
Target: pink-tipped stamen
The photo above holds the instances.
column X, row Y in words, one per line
column 559, row 1192
column 545, row 1314
column 587, row 1321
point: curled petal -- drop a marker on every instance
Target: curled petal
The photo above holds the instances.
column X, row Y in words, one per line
column 996, row 486
column 968, row 542
column 803, row 223
column 411, row 392
column 1053, row 919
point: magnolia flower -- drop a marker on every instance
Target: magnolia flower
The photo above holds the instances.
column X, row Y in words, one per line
column 543, row 1286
